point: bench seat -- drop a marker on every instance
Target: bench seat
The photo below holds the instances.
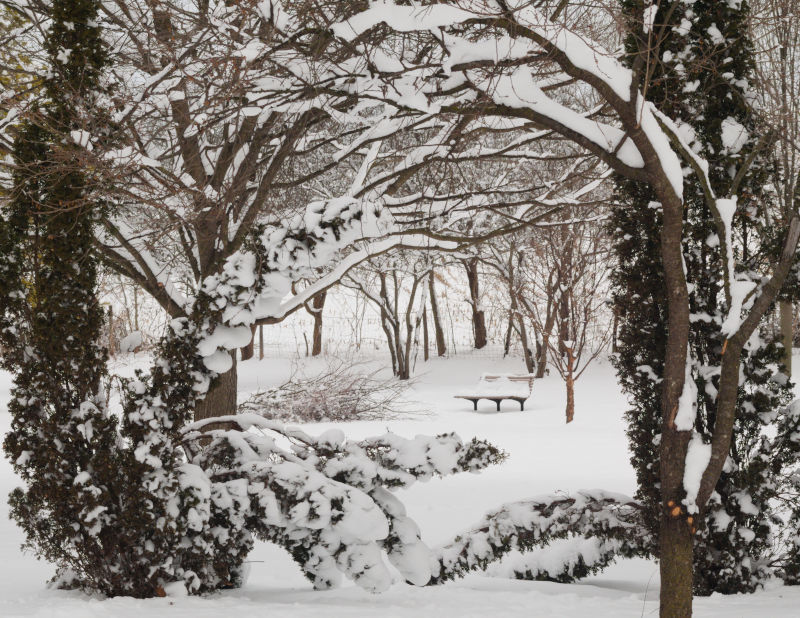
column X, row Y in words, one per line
column 497, row 387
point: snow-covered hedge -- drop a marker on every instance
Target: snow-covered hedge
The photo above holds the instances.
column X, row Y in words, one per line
column 613, row 519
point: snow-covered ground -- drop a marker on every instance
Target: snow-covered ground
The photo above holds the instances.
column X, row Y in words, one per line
column 546, row 455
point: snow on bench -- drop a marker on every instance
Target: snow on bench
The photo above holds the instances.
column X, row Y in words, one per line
column 497, row 387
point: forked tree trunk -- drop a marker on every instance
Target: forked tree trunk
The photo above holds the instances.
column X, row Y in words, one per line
column 478, row 317
column 786, row 320
column 387, row 324
column 526, row 350
column 441, row 348
column 221, row 398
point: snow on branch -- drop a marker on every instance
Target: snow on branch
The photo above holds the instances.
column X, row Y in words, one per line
column 526, row 525
column 566, row 561
column 327, row 499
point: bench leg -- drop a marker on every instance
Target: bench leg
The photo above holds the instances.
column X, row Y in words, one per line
column 475, row 405
column 521, row 405
column 497, row 401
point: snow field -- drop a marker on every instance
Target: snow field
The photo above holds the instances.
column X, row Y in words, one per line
column 546, row 455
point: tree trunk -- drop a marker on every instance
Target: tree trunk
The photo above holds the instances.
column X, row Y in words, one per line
column 317, row 304
column 542, row 345
column 563, row 320
column 526, row 350
column 570, row 382
column 675, row 541
column 112, row 345
column 676, row 567
column 248, row 351
column 570, row 411
column 400, row 350
column 541, row 355
column 509, row 331
column 441, row 348
column 786, row 319
column 425, row 341
column 261, row 342
column 478, row 317
column 387, row 324
column 220, row 399
column 523, row 332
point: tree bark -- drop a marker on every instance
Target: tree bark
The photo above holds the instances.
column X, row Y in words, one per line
column 478, row 317
column 507, row 339
column 221, row 398
column 542, row 347
column 786, row 319
column 317, row 305
column 570, row 382
column 515, row 314
column 412, row 326
column 425, row 341
column 112, row 345
column 523, row 334
column 387, row 324
column 441, row 348
column 675, row 543
column 570, row 411
column 248, row 351
column 676, row 567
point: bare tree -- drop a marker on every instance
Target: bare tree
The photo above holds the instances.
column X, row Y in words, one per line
column 400, row 299
column 775, row 29
column 576, row 253
column 505, row 257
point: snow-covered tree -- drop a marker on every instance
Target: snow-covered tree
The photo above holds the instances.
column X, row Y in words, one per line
column 511, row 60
column 63, row 442
column 711, row 63
column 156, row 506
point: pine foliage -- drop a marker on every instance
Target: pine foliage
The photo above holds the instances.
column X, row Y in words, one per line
column 613, row 520
column 62, row 441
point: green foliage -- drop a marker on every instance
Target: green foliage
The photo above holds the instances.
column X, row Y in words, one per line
column 614, row 521
column 62, row 443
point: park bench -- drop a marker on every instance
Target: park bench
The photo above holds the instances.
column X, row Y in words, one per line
column 497, row 387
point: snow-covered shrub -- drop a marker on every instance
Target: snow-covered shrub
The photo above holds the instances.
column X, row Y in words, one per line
column 63, row 443
column 563, row 561
column 342, row 392
column 613, row 520
column 328, row 500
